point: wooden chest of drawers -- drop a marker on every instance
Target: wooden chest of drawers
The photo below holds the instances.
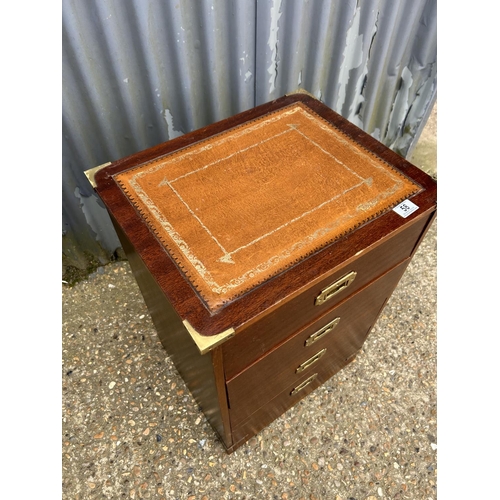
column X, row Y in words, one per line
column 266, row 246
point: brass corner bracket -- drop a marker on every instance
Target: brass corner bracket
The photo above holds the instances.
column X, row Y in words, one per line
column 301, row 91
column 90, row 173
column 206, row 344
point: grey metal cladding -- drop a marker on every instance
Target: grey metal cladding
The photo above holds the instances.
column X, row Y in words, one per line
column 139, row 72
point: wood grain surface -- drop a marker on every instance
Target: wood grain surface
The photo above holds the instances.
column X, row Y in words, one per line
column 249, row 307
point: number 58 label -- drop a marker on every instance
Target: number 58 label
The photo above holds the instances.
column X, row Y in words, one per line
column 405, row 208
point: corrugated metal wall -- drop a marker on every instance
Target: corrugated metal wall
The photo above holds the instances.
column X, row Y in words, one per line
column 139, row 72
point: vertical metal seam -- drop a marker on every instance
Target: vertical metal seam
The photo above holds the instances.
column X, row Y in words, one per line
column 255, row 31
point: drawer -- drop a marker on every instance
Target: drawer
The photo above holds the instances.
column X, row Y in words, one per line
column 257, row 339
column 329, row 340
column 273, row 409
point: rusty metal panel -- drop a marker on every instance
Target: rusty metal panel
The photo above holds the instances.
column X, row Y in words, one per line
column 139, row 72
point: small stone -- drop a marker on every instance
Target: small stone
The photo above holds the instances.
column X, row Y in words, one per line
column 380, row 492
column 434, row 446
column 340, row 466
column 158, row 438
column 253, row 442
column 131, row 422
column 315, row 466
column 99, row 436
column 111, row 286
column 146, row 431
column 111, row 385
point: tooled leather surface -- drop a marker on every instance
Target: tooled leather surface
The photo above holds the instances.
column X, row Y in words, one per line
column 241, row 206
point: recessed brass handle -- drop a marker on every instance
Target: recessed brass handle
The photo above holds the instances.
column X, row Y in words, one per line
column 335, row 288
column 306, row 382
column 310, row 361
column 322, row 332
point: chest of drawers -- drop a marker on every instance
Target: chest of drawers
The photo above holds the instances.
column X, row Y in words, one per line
column 265, row 247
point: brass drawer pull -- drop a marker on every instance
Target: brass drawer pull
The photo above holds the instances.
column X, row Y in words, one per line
column 322, row 332
column 304, row 384
column 332, row 290
column 310, row 361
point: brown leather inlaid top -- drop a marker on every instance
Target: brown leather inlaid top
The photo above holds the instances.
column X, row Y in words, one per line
column 240, row 207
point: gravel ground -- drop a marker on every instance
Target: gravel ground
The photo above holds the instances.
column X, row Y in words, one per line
column 131, row 429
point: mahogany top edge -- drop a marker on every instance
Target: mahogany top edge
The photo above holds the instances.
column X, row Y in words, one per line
column 178, row 290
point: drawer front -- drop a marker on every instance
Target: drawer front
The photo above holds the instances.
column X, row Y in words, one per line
column 284, row 401
column 331, row 340
column 256, row 340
